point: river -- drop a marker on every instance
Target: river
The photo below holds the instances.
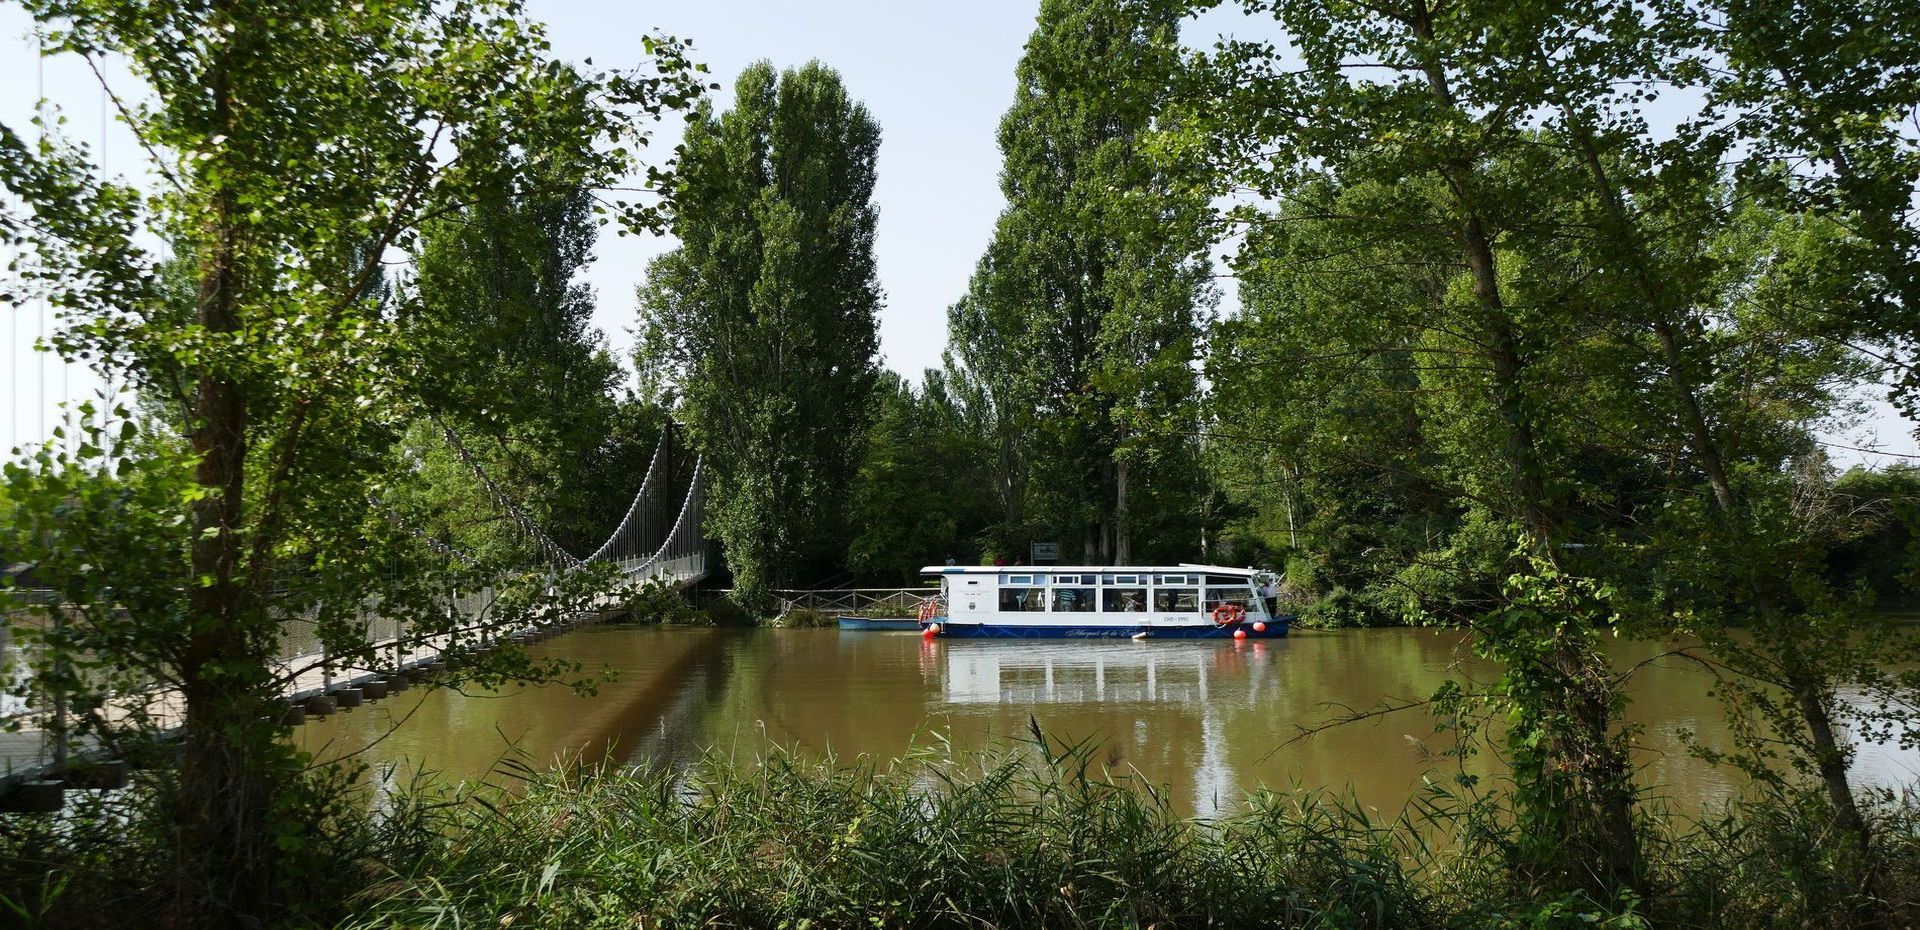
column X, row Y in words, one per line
column 1209, row 720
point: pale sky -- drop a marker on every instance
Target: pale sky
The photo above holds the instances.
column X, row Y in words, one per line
column 937, row 77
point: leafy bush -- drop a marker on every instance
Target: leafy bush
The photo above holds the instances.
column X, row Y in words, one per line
column 724, row 611
column 1341, row 608
column 1302, row 573
column 805, row 618
column 661, row 602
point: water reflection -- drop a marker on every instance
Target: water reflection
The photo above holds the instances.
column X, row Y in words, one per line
column 1173, row 674
column 1212, row 721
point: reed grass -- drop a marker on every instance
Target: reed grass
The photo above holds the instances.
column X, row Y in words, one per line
column 1040, row 834
column 1046, row 837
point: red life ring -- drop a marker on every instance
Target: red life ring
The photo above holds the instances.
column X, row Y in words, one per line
column 1228, row 614
column 928, row 609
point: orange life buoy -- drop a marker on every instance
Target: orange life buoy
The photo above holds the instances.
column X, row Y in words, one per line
column 928, row 609
column 1228, row 614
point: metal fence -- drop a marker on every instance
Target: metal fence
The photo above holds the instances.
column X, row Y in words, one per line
column 903, row 602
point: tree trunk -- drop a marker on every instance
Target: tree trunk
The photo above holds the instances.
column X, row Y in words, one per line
column 226, row 870
column 1580, row 688
column 1830, row 760
column 1293, row 484
column 1009, row 475
column 1122, row 528
column 1503, row 347
column 1679, row 377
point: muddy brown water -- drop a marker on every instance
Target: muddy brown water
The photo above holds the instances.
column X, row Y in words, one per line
column 1210, row 721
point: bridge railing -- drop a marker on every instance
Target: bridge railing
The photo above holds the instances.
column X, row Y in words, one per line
column 903, row 602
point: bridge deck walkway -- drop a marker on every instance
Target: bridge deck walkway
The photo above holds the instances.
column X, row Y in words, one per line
column 27, row 754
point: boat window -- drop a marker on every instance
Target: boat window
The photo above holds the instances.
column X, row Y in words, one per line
column 1227, row 581
column 1176, row 600
column 1240, row 595
column 1174, row 579
column 1124, row 600
column 1073, row 600
column 1016, row 579
column 1124, row 579
column 1023, row 600
column 1073, row 579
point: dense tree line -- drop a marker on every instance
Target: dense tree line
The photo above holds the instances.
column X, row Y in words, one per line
column 1508, row 355
column 1534, row 367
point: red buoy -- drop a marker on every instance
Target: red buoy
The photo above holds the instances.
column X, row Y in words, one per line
column 1239, row 634
column 1259, row 626
column 930, row 630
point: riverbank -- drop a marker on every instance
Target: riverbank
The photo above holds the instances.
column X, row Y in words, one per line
column 1052, row 839
column 1043, row 835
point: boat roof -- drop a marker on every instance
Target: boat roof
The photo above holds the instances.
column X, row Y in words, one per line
column 1184, row 567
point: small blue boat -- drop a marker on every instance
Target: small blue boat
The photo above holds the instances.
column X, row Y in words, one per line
column 890, row 624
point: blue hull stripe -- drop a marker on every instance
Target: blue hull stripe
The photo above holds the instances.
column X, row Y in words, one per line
column 1275, row 629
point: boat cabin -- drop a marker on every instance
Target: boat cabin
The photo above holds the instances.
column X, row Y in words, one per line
column 1100, row 600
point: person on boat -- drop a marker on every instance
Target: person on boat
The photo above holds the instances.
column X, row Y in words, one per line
column 1270, row 595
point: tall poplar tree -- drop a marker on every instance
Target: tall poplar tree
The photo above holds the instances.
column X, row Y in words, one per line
column 761, row 324
column 501, row 276
column 1082, row 317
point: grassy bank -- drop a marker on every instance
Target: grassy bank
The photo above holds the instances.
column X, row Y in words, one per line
column 1030, row 839
column 1019, row 839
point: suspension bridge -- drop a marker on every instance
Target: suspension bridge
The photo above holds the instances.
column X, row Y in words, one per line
column 659, row 540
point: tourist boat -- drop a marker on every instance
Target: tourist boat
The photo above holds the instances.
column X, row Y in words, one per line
column 1141, row 602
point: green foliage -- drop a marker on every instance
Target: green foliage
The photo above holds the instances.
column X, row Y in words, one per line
column 921, row 493
column 806, row 619
column 1485, row 301
column 1817, row 94
column 1874, row 546
column 1027, row 837
column 760, row 325
column 295, row 145
column 1572, row 785
column 1046, row 837
column 725, row 611
column 498, row 279
column 659, row 601
column 1340, row 608
column 1080, row 325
